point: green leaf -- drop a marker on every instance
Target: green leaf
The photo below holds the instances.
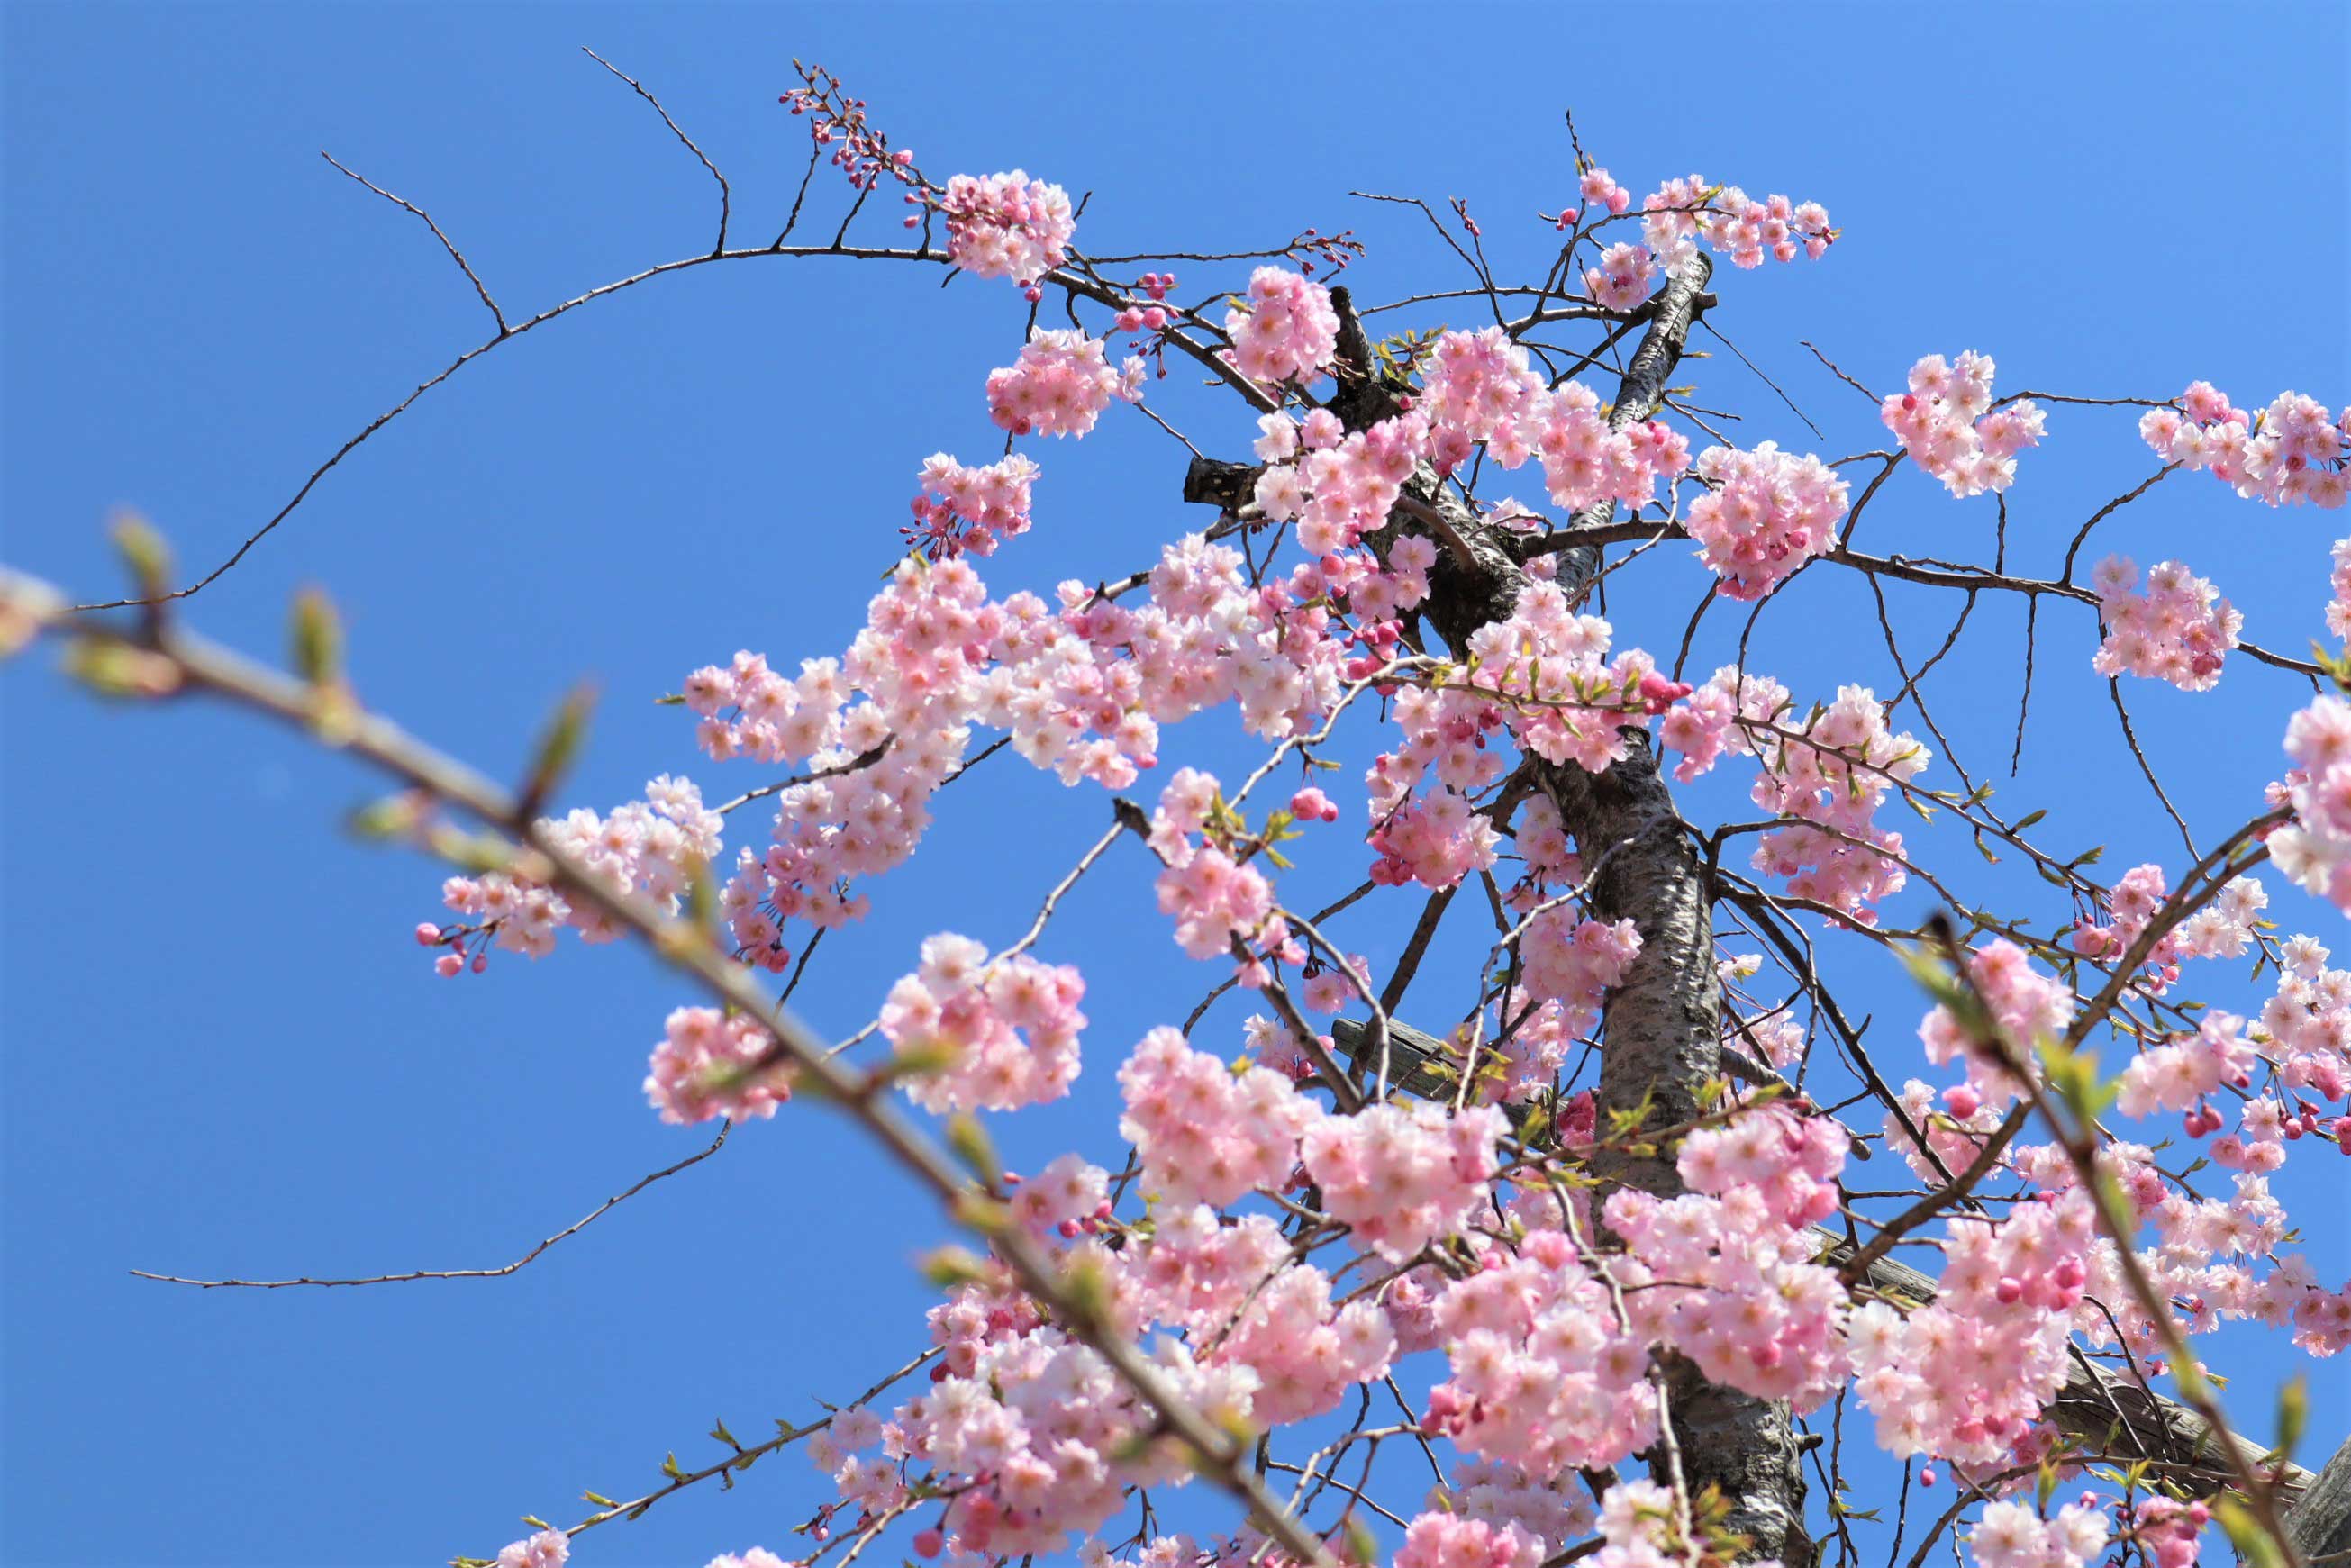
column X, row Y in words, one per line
column 719, row 1430
column 558, row 747
column 144, row 553
column 969, row 1141
column 670, row 1469
column 2253, row 1542
column 599, row 1499
column 392, row 816
column 111, row 669
column 2293, row 1413
column 318, row 638
column 951, row 1266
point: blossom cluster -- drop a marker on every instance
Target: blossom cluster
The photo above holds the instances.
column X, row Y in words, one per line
column 1476, row 387
column 1724, row 1272
column 2295, row 453
column 1473, row 386
column 2308, row 1020
column 547, row 1549
column 1080, row 692
column 2176, row 629
column 1624, row 277
column 1236, row 1291
column 2179, row 1073
column 649, row 847
column 1443, row 1540
column 1681, row 212
column 1547, row 668
column 1401, row 1176
column 1551, row 1508
column 1032, row 1437
column 1966, row 1376
column 1214, row 898
column 710, row 1063
column 2315, row 848
column 1572, row 963
column 1058, row 385
column 1549, row 1343
column 1764, row 513
column 1640, row 1527
column 1544, row 675
column 987, row 1036
column 1007, row 225
column 1947, row 424
column 2024, row 1005
column 1205, row 1132
column 2338, row 582
column 1284, row 330
column 2222, row 929
column 1543, row 1375
column 1829, row 774
column 2009, row 1534
column 972, row 510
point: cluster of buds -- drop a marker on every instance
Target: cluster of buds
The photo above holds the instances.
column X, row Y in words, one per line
column 838, row 121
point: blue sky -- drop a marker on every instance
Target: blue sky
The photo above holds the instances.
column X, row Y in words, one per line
column 223, row 1057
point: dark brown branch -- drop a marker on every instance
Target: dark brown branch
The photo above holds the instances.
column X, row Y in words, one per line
column 446, row 242
column 498, row 1273
column 726, row 197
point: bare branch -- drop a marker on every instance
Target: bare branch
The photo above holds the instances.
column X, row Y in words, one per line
column 725, row 197
column 498, row 1273
column 446, row 242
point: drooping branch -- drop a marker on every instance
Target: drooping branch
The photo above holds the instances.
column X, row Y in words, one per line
column 499, row 1272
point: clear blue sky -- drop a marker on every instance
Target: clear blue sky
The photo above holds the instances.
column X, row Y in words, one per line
column 222, row 1054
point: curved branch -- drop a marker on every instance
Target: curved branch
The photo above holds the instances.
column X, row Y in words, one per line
column 499, row 1273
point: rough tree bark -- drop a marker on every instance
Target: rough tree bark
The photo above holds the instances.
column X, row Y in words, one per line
column 2319, row 1525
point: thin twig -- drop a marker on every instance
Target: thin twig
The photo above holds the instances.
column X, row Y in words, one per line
column 446, row 242
column 499, row 1273
column 725, row 197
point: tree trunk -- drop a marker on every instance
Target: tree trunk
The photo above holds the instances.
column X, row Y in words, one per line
column 1662, row 1026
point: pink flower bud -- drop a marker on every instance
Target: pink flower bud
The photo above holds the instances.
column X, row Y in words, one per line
column 428, row 935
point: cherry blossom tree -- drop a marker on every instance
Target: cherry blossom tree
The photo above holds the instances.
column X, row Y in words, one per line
column 1580, row 1236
